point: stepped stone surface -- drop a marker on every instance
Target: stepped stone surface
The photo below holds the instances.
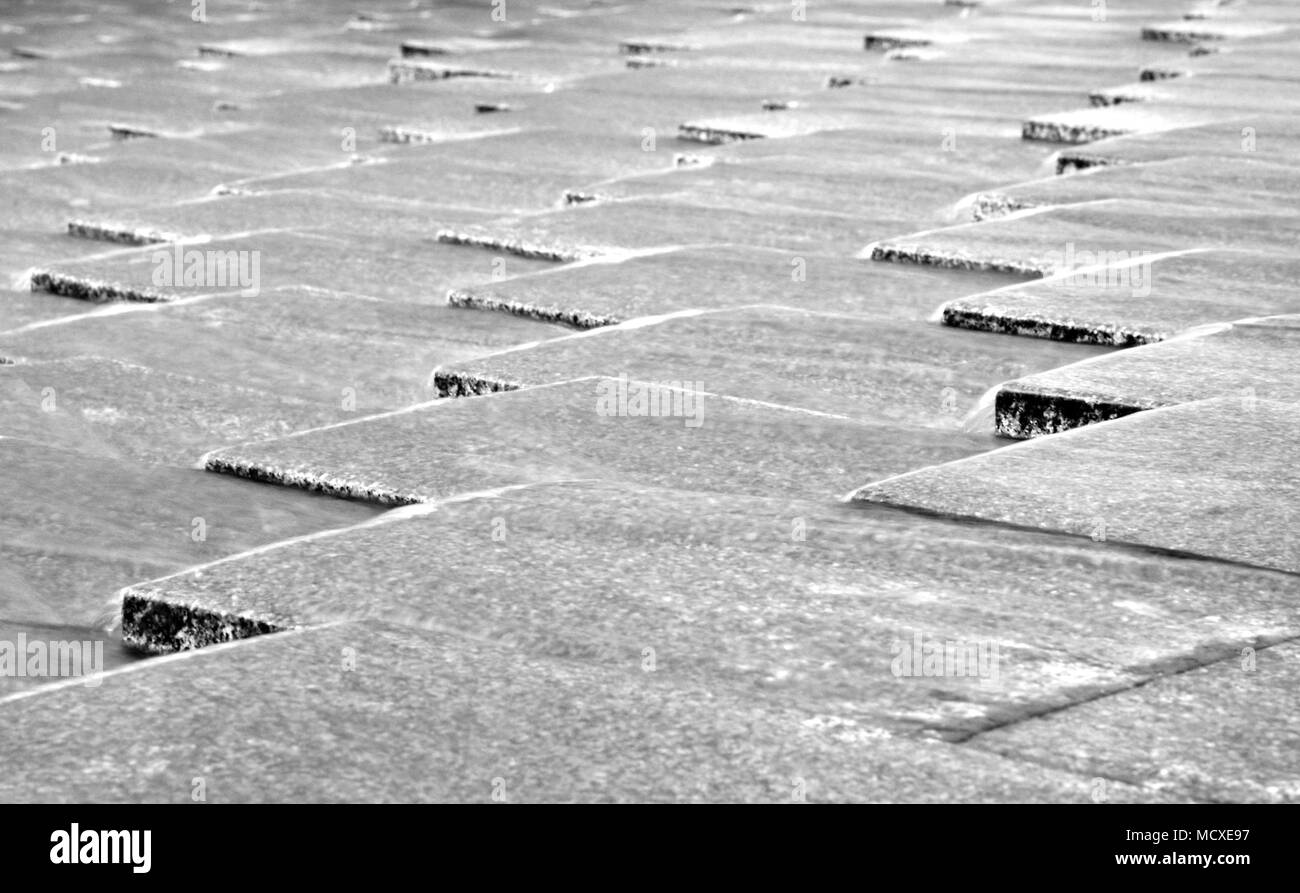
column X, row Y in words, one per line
column 1225, row 732
column 468, row 722
column 79, row 526
column 717, row 278
column 264, row 245
column 867, row 369
column 1048, row 240
column 795, row 602
column 1260, row 136
column 581, row 430
column 1248, row 360
column 283, row 260
column 1261, row 184
column 603, row 229
column 380, row 353
column 111, row 408
column 1211, row 478
column 1090, row 125
column 1125, row 304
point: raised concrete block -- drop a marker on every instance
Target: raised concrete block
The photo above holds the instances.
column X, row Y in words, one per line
column 1247, row 360
column 452, row 719
column 871, row 369
column 662, row 434
column 1212, row 478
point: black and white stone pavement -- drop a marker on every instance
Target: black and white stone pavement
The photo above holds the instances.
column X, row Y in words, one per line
column 652, row 401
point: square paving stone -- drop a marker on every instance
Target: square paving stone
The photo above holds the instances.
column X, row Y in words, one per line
column 120, row 410
column 1211, row 478
column 1246, row 360
column 1255, row 136
column 1244, row 183
column 1092, row 124
column 341, row 215
column 348, row 352
column 353, row 264
column 814, row 604
column 1223, row 733
column 613, row 228
column 77, row 527
column 1127, row 306
column 870, row 369
column 1053, row 239
column 569, row 431
column 451, row 719
column 590, row 295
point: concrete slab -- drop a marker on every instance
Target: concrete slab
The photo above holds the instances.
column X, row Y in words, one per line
column 1050, row 240
column 22, row 308
column 351, row 353
column 1202, row 30
column 1126, row 306
column 77, row 526
column 868, row 369
column 111, row 408
column 1092, row 124
column 355, row 264
column 920, row 184
column 686, row 440
column 809, row 604
column 235, row 214
column 604, row 229
column 1255, row 136
column 510, row 172
column 1245, row 183
column 717, row 277
column 1211, row 478
column 1221, row 733
column 1248, row 361
column 451, row 719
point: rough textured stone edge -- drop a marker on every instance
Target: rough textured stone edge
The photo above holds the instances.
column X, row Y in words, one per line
column 984, row 318
column 1060, row 132
column 92, row 289
column 412, row 48
column 404, row 72
column 988, row 205
column 1103, row 98
column 1151, row 73
column 638, row 47
column 518, row 247
column 131, row 132
column 578, row 319
column 312, row 482
column 714, row 136
column 1069, row 162
column 154, row 625
column 891, row 42
column 111, row 232
column 1180, row 34
column 1024, row 411
column 465, row 384
column 916, row 254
